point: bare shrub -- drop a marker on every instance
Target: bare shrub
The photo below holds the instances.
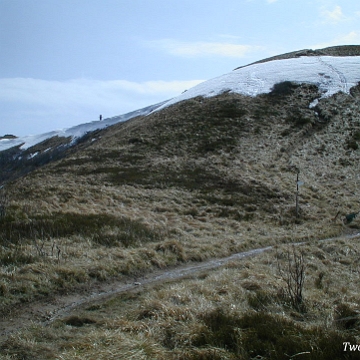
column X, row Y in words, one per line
column 293, row 273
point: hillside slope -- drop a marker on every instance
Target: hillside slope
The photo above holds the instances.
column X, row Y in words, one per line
column 331, row 70
column 205, row 177
column 19, row 156
column 201, row 178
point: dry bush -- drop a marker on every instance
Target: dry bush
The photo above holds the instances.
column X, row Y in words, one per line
column 293, row 274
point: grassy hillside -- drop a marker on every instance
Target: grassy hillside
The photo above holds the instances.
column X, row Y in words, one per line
column 203, row 178
column 212, row 176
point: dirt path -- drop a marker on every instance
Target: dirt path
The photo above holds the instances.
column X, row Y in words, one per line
column 47, row 310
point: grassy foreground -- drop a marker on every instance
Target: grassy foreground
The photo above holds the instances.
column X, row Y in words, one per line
column 241, row 311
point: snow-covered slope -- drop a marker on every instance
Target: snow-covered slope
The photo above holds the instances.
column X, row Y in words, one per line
column 331, row 74
column 74, row 132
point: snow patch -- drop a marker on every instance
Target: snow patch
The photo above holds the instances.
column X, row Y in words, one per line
column 330, row 73
column 75, row 132
column 313, row 103
column 31, row 156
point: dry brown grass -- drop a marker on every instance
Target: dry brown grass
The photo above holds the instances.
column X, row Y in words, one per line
column 175, row 320
column 205, row 178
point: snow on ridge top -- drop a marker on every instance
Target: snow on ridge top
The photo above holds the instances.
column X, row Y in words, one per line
column 75, row 132
column 330, row 73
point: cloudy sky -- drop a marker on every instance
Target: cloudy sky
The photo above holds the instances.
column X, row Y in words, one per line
column 65, row 62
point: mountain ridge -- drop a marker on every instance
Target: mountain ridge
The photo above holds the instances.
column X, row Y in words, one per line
column 19, row 156
column 330, row 75
column 204, row 178
column 340, row 50
column 26, row 142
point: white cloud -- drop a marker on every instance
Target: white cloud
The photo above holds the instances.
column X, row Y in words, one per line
column 37, row 106
column 200, row 48
column 335, row 16
column 80, row 91
column 352, row 38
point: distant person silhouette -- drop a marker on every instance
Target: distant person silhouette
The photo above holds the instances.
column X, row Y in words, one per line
column 100, row 117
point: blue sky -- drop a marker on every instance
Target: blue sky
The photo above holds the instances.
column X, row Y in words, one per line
column 64, row 62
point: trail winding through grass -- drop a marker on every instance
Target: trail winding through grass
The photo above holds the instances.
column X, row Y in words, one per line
column 47, row 310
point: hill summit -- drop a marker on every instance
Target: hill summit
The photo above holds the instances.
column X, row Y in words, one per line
column 265, row 155
column 331, row 70
column 231, row 146
column 295, row 112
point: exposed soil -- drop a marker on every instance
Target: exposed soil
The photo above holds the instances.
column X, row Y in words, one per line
column 47, row 310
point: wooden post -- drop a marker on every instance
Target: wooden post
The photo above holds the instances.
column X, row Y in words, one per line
column 297, row 195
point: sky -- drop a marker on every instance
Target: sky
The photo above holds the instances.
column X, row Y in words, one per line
column 65, row 62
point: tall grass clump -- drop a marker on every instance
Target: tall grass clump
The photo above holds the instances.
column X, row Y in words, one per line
column 3, row 204
column 102, row 229
column 261, row 335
